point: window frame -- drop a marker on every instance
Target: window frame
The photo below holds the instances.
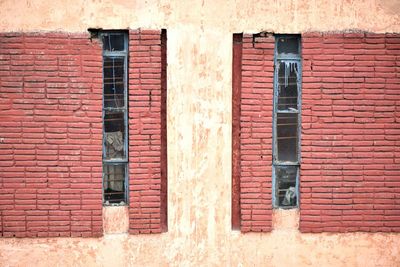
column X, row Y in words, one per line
column 278, row 58
column 124, row 160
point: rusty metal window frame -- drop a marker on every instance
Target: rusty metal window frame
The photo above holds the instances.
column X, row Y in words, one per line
column 287, row 59
column 122, row 55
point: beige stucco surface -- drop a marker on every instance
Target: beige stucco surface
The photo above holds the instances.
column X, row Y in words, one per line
column 202, row 16
column 199, row 135
column 200, row 245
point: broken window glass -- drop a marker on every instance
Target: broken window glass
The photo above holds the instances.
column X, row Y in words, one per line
column 287, row 88
column 288, row 73
column 286, row 191
column 114, row 82
column 115, row 120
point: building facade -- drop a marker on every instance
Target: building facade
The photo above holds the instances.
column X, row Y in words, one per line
column 200, row 133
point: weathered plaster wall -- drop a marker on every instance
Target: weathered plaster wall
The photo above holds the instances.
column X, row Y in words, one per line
column 224, row 16
column 199, row 131
column 285, row 246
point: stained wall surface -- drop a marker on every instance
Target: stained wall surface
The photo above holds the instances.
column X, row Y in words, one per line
column 199, row 135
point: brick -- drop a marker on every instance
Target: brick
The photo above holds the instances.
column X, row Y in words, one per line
column 256, row 88
column 37, row 174
column 147, row 160
column 358, row 104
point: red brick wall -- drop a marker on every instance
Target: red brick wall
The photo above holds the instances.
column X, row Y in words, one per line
column 147, row 148
column 51, row 128
column 350, row 171
column 256, row 133
column 51, row 125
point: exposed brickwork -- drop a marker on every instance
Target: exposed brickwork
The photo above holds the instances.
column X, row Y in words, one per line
column 50, row 111
column 51, row 129
column 256, row 133
column 350, row 171
column 146, row 155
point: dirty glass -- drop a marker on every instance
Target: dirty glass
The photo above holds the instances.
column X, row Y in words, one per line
column 287, row 92
column 114, row 135
column 115, row 121
column 286, row 191
column 114, row 182
column 287, row 136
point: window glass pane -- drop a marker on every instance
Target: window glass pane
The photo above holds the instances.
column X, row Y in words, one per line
column 114, row 82
column 114, row 135
column 286, row 120
column 286, row 128
column 286, row 193
column 288, row 45
column 114, row 117
column 114, row 182
column 113, row 42
column 288, row 72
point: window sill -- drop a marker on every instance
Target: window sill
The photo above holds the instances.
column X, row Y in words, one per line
column 285, row 219
column 121, row 204
column 115, row 219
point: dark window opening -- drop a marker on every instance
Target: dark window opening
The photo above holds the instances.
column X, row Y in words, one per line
column 286, row 137
column 114, row 182
column 287, row 85
column 114, row 41
column 114, row 84
column 115, row 118
column 287, row 45
column 287, row 106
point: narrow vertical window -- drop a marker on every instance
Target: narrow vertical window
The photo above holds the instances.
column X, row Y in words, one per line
column 287, row 105
column 115, row 118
